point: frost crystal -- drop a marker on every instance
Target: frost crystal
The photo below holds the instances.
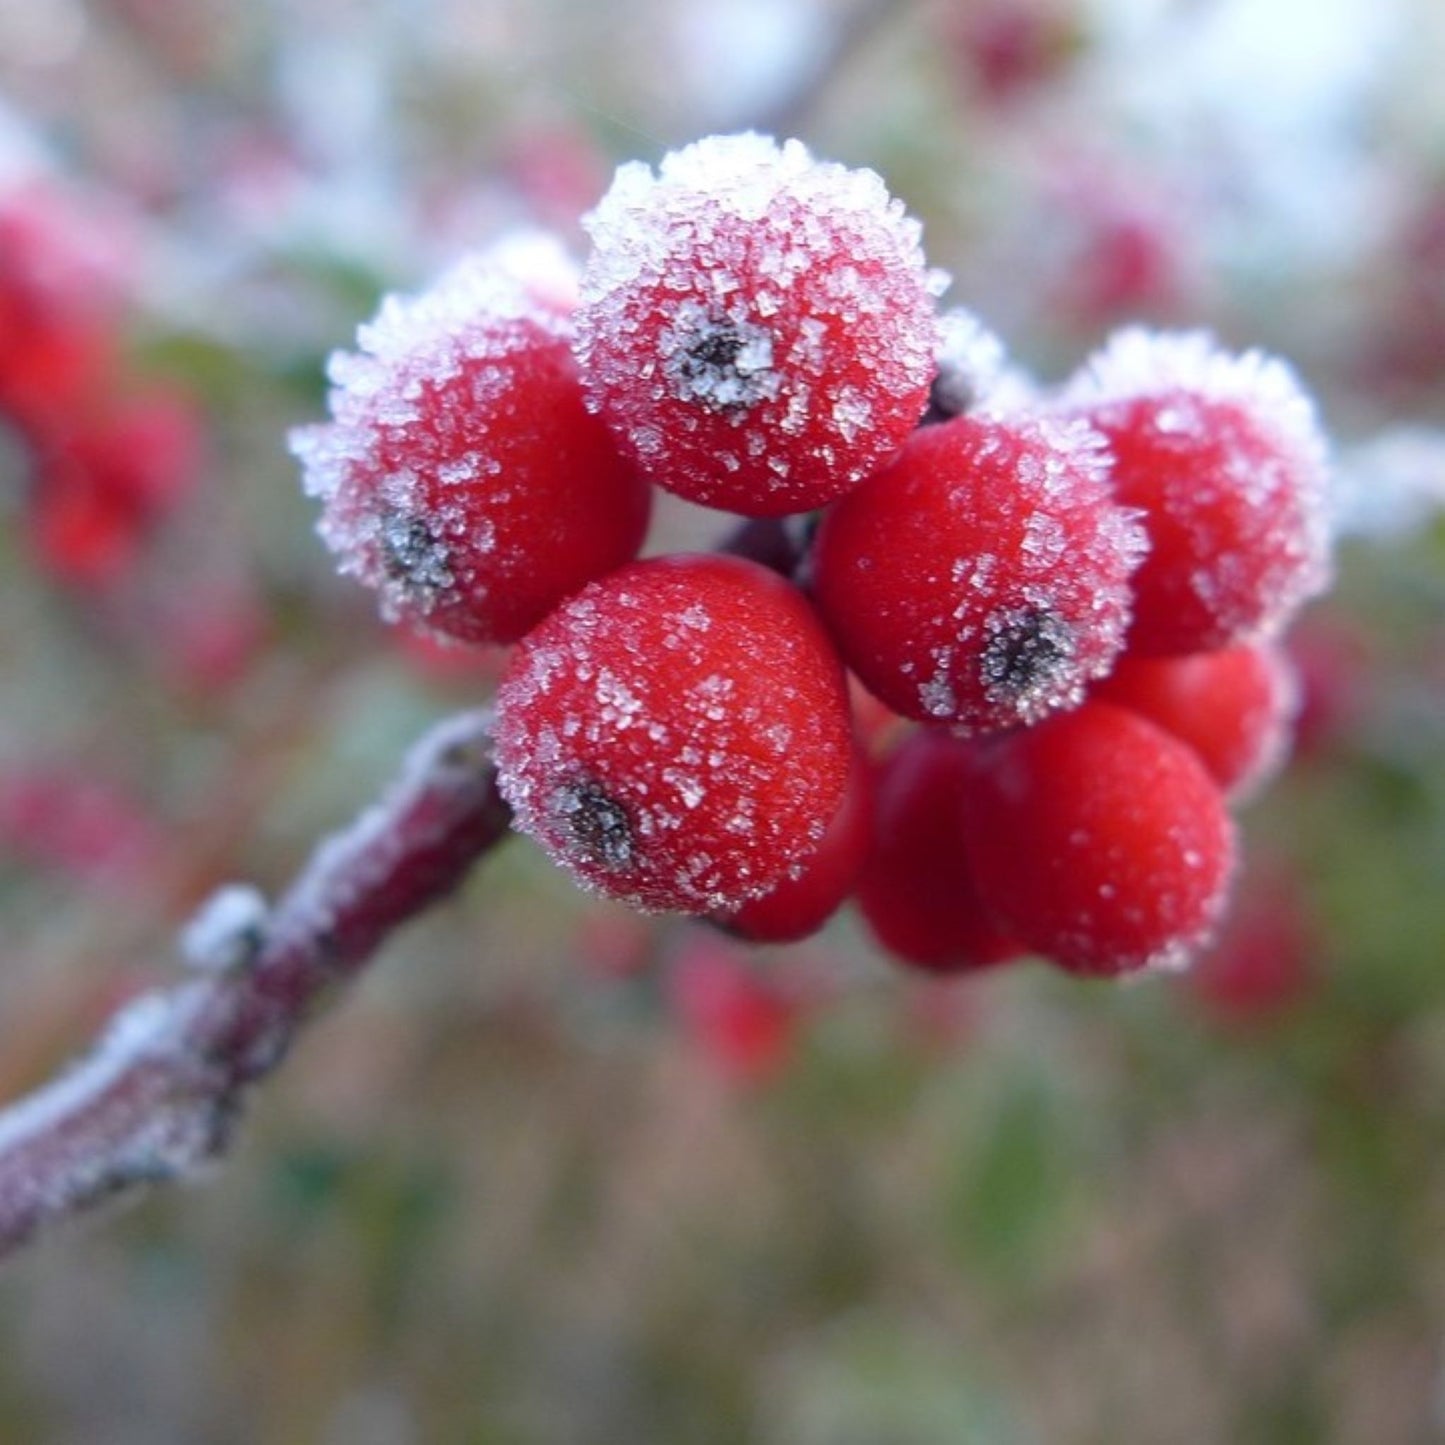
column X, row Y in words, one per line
column 227, row 930
column 1138, row 362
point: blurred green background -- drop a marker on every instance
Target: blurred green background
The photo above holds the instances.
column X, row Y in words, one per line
column 553, row 1174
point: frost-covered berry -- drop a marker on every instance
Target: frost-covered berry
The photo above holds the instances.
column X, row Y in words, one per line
column 461, row 475
column 677, row 734
column 1224, row 456
column 982, row 577
column 1233, row 707
column 756, row 325
column 1099, row 840
column 800, row 904
column 916, row 893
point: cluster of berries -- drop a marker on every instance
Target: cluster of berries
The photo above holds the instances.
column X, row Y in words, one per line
column 108, row 460
column 1073, row 594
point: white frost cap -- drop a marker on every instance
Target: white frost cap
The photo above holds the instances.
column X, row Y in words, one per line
column 513, row 279
column 744, row 174
column 476, row 307
column 1138, row 362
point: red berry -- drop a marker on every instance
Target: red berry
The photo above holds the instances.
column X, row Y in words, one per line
column 58, row 310
column 916, row 893
column 1332, row 658
column 1006, row 50
column 1264, row 962
column 982, row 577
column 677, row 735
column 103, row 482
column 756, row 325
column 1099, row 840
column 1223, row 455
column 1233, row 707
column 799, row 905
column 461, row 475
column 743, row 1023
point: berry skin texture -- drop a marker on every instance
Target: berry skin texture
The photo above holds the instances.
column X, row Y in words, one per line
column 1100, row 841
column 677, row 735
column 757, row 326
column 798, row 906
column 1233, row 707
column 982, row 577
column 1224, row 456
column 461, row 476
column 917, row 895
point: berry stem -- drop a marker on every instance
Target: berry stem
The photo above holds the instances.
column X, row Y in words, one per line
column 159, row 1094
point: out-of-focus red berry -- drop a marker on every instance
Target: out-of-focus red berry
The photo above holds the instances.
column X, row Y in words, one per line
column 917, row 893
column 101, row 485
column 614, row 942
column 1005, row 50
column 1233, row 707
column 558, row 170
column 1099, row 840
column 743, row 1023
column 81, row 825
column 1332, row 660
column 58, row 312
column 1263, row 963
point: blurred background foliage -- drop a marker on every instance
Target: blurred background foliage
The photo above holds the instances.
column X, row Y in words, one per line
column 557, row 1174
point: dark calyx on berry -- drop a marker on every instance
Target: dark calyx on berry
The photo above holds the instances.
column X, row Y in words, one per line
column 413, row 555
column 724, row 366
column 599, row 825
column 1028, row 647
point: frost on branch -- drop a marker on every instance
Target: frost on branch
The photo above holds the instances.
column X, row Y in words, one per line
column 227, row 931
column 159, row 1093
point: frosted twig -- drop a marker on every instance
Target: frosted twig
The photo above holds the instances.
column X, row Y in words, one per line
column 159, row 1094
